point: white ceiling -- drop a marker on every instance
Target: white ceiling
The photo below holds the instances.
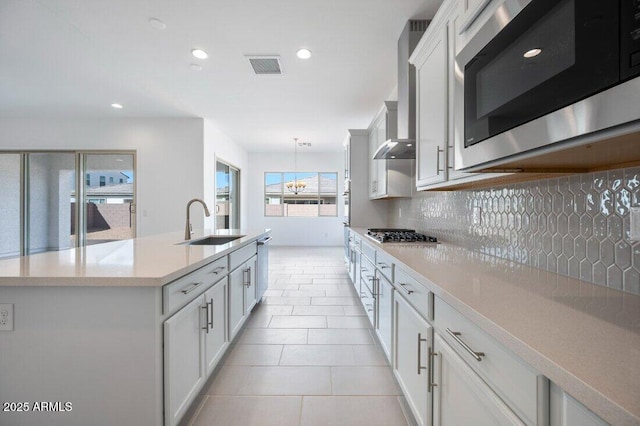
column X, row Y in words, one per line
column 76, row 57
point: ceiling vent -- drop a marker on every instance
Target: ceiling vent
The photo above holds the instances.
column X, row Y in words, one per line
column 265, row 65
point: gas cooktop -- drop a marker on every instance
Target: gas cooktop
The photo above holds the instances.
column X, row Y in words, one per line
column 395, row 235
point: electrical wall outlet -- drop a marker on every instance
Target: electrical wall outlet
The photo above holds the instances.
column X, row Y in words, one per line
column 6, row 316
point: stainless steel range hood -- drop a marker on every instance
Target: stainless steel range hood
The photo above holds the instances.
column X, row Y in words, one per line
column 404, row 147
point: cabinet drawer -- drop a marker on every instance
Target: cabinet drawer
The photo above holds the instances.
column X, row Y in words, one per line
column 385, row 265
column 369, row 251
column 241, row 255
column 367, row 274
column 183, row 290
column 217, row 269
column 515, row 382
column 415, row 293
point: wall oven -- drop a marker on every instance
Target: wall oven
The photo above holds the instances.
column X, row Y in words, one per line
column 539, row 72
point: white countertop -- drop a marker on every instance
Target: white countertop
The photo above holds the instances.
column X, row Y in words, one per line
column 146, row 261
column 582, row 336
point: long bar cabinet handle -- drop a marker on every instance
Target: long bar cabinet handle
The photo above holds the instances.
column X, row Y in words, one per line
column 455, row 334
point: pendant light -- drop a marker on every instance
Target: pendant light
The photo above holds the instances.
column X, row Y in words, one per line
column 295, row 186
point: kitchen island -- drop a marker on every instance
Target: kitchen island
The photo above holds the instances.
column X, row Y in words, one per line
column 90, row 327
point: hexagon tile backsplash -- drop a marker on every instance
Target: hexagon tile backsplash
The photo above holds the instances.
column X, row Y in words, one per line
column 576, row 226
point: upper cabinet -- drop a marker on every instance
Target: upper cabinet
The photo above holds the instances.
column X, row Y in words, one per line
column 435, row 103
column 387, row 178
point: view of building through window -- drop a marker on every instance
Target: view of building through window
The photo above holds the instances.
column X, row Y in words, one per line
column 41, row 186
column 303, row 194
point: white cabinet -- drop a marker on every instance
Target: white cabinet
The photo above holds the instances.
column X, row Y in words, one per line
column 461, row 397
column 432, row 104
column 385, row 314
column 250, row 287
column 236, row 300
column 566, row 411
column 470, row 9
column 433, row 58
column 215, row 339
column 194, row 342
column 387, row 178
column 412, row 343
column 516, row 384
column 184, row 371
column 362, row 210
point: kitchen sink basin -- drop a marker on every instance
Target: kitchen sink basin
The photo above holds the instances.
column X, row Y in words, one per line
column 213, row 240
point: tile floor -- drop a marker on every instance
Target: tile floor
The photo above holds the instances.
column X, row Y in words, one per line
column 307, row 355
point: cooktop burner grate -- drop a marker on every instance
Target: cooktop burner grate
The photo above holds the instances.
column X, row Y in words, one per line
column 394, row 235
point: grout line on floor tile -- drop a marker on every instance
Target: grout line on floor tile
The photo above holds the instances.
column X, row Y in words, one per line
column 198, row 410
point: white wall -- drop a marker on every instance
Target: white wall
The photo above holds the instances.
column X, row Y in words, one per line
column 169, row 158
column 295, row 231
column 219, row 146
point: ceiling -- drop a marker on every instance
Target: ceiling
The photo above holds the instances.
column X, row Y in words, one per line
column 74, row 58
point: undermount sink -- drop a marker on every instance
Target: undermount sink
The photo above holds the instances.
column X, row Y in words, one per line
column 213, row 240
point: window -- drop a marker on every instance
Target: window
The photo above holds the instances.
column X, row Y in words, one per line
column 316, row 196
column 103, row 181
column 111, row 180
column 41, row 210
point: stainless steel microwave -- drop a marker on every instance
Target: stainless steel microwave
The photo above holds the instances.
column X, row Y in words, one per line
column 540, row 73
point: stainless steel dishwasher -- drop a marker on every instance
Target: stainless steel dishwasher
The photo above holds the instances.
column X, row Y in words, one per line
column 263, row 266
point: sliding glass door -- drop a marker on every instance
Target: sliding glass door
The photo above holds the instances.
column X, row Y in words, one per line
column 227, row 196
column 109, row 206
column 50, row 179
column 58, row 200
column 10, row 205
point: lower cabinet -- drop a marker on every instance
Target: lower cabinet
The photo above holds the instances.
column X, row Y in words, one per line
column 460, row 396
column 566, row 411
column 250, row 287
column 242, row 294
column 385, row 314
column 193, row 340
column 413, row 339
column 216, row 332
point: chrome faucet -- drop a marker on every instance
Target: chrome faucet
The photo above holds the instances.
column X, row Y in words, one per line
column 188, row 230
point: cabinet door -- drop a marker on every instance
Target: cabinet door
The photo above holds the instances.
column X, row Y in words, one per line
column 216, row 323
column 385, row 309
column 250, row 287
column 413, row 338
column 382, row 164
column 461, row 397
column 432, row 109
column 373, row 168
column 183, row 359
column 236, row 300
column 566, row 411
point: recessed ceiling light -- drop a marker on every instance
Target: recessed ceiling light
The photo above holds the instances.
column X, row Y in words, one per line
column 409, row 144
column 196, row 67
column 532, row 53
column 303, row 53
column 157, row 24
column 117, row 106
column 199, row 53
column 393, row 156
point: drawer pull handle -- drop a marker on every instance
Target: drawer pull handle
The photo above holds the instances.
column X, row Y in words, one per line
column 432, row 357
column 217, row 270
column 190, row 289
column 455, row 334
column 420, row 340
column 404, row 287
